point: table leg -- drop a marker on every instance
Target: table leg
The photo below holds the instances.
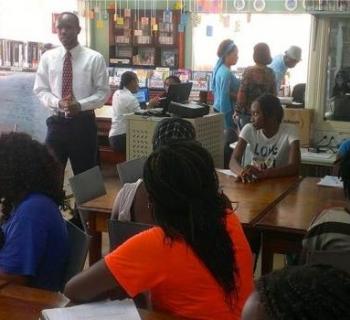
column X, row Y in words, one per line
column 266, row 255
column 95, row 252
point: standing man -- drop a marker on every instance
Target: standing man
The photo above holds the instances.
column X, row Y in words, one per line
column 72, row 81
column 282, row 62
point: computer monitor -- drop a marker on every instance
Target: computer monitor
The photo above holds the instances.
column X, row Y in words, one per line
column 179, row 92
column 142, row 95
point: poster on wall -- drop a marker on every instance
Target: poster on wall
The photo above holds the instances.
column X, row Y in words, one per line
column 54, row 22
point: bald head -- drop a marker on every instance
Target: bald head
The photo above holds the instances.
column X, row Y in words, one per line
column 68, row 29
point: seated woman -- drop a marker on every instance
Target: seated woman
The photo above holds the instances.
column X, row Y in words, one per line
column 331, row 229
column 35, row 241
column 197, row 262
column 317, row 292
column 124, row 101
column 274, row 145
column 131, row 203
column 256, row 81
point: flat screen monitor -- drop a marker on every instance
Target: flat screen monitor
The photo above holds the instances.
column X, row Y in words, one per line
column 142, row 95
column 177, row 92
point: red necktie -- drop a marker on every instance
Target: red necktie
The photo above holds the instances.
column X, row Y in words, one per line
column 67, row 76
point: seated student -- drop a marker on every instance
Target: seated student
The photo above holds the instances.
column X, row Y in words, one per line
column 197, row 262
column 169, row 81
column 274, row 145
column 131, row 203
column 316, row 292
column 331, row 229
column 35, row 241
column 124, row 101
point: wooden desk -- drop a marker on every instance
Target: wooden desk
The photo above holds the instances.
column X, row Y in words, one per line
column 254, row 200
column 285, row 225
column 23, row 303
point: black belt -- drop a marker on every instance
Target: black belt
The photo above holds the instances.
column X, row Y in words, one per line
column 78, row 115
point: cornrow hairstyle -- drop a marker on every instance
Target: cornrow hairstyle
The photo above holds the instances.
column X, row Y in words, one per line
column 26, row 166
column 309, row 292
column 344, row 174
column 183, row 186
column 171, row 129
column 126, row 78
column 271, row 107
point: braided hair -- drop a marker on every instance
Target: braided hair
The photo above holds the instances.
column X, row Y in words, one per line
column 344, row 173
column 26, row 166
column 309, row 292
column 182, row 183
column 171, row 129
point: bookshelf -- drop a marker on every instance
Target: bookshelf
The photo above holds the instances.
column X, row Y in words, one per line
column 19, row 55
column 146, row 39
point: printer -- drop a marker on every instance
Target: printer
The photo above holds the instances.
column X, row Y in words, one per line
column 188, row 110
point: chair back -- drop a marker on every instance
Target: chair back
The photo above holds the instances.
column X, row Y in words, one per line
column 338, row 258
column 130, row 171
column 79, row 242
column 120, row 231
column 88, row 185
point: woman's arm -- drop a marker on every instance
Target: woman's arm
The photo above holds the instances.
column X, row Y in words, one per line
column 236, row 159
column 291, row 169
column 14, row 278
column 95, row 283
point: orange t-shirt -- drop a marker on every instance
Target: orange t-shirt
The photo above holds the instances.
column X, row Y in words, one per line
column 179, row 282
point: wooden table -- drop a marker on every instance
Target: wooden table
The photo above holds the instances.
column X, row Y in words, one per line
column 23, row 303
column 254, row 200
column 285, row 225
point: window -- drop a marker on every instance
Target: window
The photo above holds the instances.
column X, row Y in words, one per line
column 279, row 31
column 338, row 71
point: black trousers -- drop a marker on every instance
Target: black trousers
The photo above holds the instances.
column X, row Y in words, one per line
column 118, row 143
column 74, row 139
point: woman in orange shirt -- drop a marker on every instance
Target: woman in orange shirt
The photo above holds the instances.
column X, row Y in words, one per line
column 197, row 262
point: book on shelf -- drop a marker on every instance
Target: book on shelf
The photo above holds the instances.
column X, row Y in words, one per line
column 183, row 74
column 142, row 75
column 200, row 80
column 145, row 57
column 18, row 54
column 168, row 58
column 157, row 77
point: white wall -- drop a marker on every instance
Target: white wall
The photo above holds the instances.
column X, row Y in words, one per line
column 30, row 20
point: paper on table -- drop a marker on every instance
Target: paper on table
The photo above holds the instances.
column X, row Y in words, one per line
column 330, row 181
column 106, row 310
column 227, row 172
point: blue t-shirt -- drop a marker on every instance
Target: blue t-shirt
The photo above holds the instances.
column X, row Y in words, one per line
column 225, row 82
column 279, row 68
column 344, row 148
column 36, row 242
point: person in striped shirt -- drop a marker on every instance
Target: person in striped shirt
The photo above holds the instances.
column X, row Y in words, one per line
column 331, row 229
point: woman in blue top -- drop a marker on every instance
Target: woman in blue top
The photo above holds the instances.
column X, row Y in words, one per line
column 225, row 85
column 34, row 240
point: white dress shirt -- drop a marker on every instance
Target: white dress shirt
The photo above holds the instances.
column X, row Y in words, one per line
column 123, row 102
column 90, row 80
